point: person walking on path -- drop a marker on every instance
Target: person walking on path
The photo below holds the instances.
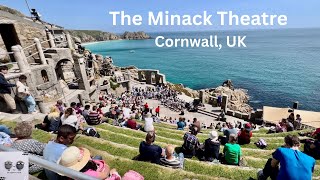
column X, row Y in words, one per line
column 158, row 111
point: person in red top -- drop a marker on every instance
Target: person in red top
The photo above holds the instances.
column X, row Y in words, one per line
column 245, row 134
column 146, row 107
column 131, row 123
column 158, row 111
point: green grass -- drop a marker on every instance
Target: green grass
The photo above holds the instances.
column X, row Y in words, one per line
column 119, row 145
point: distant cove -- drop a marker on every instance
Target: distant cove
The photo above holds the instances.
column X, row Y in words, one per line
column 277, row 68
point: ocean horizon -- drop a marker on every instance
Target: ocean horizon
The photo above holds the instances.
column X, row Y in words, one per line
column 278, row 66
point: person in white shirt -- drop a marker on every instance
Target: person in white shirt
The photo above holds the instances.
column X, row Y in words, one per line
column 148, row 126
column 70, row 119
column 24, row 94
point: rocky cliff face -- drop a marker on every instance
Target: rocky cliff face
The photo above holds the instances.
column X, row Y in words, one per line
column 135, row 35
column 238, row 98
column 91, row 36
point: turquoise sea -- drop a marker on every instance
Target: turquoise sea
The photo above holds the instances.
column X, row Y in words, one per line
column 277, row 68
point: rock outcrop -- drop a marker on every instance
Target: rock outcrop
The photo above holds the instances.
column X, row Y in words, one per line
column 238, row 98
column 135, row 35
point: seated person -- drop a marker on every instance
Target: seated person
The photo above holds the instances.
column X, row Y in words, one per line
column 148, row 125
column 86, row 111
column 232, row 151
column 293, row 163
column 69, row 118
column 54, row 149
column 172, row 159
column 245, row 135
column 191, row 143
column 93, row 118
column 197, row 124
column 312, row 148
column 25, row 143
column 95, row 168
column 149, row 151
column 131, row 123
column 181, row 124
column 212, row 147
column 51, row 121
column 5, row 129
column 230, row 130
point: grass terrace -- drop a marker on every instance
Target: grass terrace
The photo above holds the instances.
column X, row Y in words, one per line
column 119, row 145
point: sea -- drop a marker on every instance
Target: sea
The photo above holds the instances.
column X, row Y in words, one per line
column 278, row 67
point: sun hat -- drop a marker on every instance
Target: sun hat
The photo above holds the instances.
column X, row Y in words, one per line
column 213, row 135
column 74, row 158
column 148, row 115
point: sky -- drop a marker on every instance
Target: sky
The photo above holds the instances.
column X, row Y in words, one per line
column 94, row 14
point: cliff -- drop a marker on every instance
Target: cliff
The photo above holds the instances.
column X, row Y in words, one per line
column 135, row 35
column 92, row 35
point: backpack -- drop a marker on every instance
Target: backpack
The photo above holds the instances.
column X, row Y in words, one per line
column 261, row 144
column 190, row 142
column 91, row 131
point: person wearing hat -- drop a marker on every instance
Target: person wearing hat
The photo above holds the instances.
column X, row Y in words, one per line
column 212, row 147
column 79, row 159
column 245, row 134
column 148, row 125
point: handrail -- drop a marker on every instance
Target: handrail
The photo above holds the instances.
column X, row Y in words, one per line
column 33, row 54
column 7, row 53
column 53, row 166
column 45, row 41
column 29, row 46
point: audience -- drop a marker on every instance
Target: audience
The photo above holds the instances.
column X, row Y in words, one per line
column 148, row 151
column 69, row 118
column 230, row 130
column 60, row 106
column 79, row 159
column 148, row 126
column 181, row 124
column 245, row 135
column 212, row 147
column 293, row 163
column 197, row 124
column 191, row 143
column 54, row 149
column 86, row 111
column 25, row 143
column 131, row 123
column 232, row 151
column 312, row 148
column 171, row 159
column 51, row 121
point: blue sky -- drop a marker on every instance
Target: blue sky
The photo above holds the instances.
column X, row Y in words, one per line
column 94, row 14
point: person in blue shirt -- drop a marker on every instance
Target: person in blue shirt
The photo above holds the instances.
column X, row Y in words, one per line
column 294, row 164
column 54, row 149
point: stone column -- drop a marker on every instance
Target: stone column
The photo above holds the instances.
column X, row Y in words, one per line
column 224, row 102
column 201, row 96
column 69, row 41
column 40, row 51
column 20, row 58
column 51, row 40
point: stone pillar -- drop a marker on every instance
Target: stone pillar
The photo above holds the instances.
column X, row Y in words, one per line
column 20, row 58
column 224, row 102
column 80, row 69
column 51, row 40
column 69, row 41
column 39, row 48
column 201, row 96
